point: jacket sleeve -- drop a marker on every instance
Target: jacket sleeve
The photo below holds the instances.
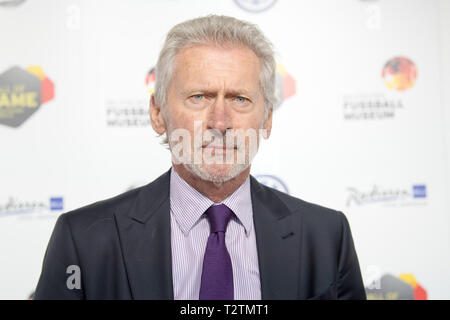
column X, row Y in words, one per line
column 61, row 276
column 349, row 283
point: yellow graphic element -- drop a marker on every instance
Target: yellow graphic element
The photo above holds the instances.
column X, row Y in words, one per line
column 409, row 279
column 281, row 69
column 399, row 81
column 24, row 99
column 37, row 71
column 379, row 296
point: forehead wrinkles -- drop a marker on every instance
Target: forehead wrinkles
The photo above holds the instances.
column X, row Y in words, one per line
column 217, row 67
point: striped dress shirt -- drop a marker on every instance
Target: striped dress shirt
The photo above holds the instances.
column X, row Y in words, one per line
column 189, row 235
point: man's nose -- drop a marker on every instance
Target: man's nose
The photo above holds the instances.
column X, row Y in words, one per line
column 219, row 117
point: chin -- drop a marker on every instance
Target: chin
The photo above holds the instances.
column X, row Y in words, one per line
column 217, row 173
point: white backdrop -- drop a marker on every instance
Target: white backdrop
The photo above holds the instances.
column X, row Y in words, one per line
column 386, row 168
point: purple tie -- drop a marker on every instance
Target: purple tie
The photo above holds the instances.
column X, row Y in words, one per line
column 217, row 274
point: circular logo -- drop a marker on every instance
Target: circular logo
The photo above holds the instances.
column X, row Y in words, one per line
column 399, row 73
column 272, row 182
column 255, row 5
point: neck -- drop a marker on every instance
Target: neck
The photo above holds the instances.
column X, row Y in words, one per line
column 214, row 192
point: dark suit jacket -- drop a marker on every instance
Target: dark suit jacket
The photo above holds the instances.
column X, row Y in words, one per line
column 122, row 246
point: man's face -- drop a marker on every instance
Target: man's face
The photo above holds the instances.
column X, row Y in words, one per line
column 217, row 89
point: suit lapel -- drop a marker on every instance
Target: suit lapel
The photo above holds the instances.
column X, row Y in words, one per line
column 278, row 242
column 145, row 237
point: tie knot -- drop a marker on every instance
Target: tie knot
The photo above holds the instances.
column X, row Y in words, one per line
column 219, row 216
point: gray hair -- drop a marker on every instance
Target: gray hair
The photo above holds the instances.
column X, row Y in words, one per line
column 216, row 30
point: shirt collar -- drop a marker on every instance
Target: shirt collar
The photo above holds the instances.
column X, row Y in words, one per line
column 188, row 205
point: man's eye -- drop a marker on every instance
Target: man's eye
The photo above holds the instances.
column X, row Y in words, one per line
column 240, row 99
column 197, row 99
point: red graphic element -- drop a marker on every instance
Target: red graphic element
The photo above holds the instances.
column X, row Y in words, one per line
column 47, row 90
column 420, row 293
column 150, row 77
column 288, row 86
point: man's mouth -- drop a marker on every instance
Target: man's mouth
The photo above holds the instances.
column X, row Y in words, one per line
column 219, row 147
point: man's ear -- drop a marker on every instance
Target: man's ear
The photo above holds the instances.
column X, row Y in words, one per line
column 268, row 124
column 156, row 117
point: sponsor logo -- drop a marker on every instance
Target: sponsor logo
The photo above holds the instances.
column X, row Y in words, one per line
column 403, row 287
column 14, row 206
column 56, row 204
column 399, row 73
column 255, row 6
column 127, row 113
column 22, row 92
column 370, row 107
column 416, row 195
column 419, row 191
column 272, row 182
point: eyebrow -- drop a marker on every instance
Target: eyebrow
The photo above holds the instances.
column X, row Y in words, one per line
column 228, row 93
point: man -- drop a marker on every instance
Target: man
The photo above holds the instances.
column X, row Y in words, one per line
column 206, row 229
